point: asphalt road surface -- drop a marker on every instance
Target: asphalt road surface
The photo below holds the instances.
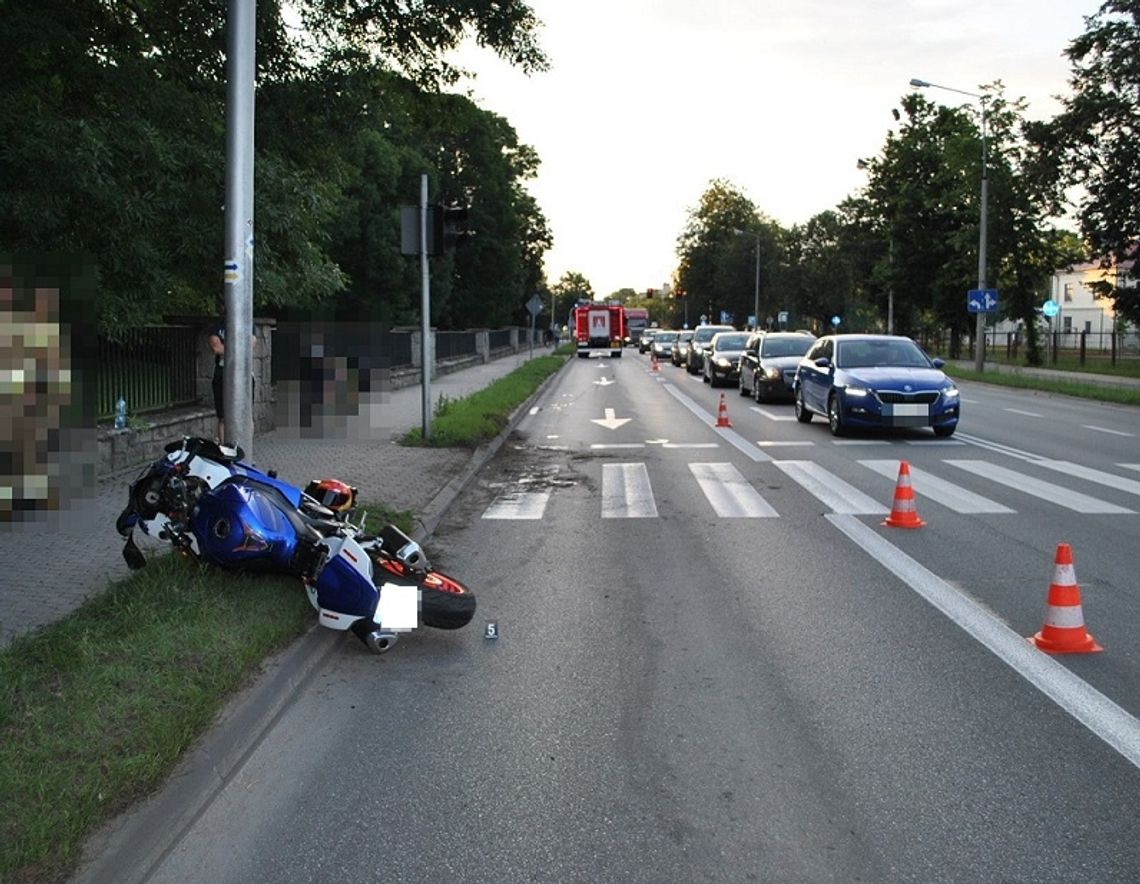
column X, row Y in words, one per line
column 715, row 663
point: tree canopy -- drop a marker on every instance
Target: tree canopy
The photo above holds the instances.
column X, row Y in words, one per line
column 112, row 147
column 1095, row 141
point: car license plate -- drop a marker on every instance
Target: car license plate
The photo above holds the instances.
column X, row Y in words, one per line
column 910, row 409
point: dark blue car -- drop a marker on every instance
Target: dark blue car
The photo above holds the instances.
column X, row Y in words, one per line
column 870, row 381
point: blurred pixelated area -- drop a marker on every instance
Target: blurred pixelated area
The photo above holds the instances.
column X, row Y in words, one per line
column 328, row 375
column 48, row 448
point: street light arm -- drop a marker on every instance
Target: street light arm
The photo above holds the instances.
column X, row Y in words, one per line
column 923, row 84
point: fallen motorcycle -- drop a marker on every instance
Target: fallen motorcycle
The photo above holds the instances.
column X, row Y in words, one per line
column 209, row 504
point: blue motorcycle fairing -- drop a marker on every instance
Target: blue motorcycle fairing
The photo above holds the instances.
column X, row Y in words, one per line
column 240, row 524
column 342, row 588
column 291, row 492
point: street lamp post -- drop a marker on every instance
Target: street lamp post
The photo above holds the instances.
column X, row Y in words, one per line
column 980, row 329
column 756, row 296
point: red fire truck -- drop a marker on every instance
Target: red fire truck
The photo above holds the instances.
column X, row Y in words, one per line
column 599, row 328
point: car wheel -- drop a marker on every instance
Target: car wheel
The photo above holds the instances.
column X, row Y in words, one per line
column 835, row 416
column 802, row 413
column 945, row 430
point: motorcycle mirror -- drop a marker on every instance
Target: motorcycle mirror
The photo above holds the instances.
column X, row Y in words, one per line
column 133, row 555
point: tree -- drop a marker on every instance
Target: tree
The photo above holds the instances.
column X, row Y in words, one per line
column 413, row 37
column 1095, row 141
column 716, row 254
column 572, row 287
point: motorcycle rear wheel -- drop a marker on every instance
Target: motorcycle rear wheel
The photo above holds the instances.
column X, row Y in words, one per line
column 445, row 603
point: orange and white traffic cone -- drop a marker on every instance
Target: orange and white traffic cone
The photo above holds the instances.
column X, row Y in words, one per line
column 722, row 414
column 903, row 511
column 1064, row 630
column 653, row 362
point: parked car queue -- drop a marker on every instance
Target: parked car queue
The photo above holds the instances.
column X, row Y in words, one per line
column 854, row 381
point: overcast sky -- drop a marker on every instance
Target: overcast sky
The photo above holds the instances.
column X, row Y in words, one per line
column 647, row 101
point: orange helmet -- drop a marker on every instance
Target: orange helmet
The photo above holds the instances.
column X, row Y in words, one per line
column 336, row 495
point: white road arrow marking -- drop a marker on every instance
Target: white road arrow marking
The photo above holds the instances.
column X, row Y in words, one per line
column 609, row 421
column 604, row 382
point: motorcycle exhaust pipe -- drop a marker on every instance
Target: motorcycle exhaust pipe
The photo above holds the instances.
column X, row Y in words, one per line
column 379, row 641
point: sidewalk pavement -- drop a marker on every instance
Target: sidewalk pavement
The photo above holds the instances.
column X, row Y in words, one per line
column 50, row 567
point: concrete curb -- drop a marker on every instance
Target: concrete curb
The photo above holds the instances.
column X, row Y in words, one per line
column 129, row 849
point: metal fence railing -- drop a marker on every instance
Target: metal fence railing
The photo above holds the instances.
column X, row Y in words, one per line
column 451, row 345
column 499, row 338
column 1087, row 348
column 157, row 367
column 152, row 368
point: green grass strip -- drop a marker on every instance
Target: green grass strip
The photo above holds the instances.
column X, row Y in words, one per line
column 1074, row 387
column 96, row 710
column 470, row 421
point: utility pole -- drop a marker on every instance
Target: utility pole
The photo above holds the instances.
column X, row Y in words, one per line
column 241, row 19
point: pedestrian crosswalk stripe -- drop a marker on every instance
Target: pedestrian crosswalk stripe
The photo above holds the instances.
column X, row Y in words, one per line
column 830, row 489
column 946, row 493
column 729, row 492
column 854, row 443
column 1073, row 500
column 771, row 415
column 518, row 505
column 1130, row 466
column 934, row 443
column 1088, row 473
column 626, row 492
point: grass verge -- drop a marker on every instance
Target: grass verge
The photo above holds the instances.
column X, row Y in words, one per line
column 472, row 420
column 1068, row 387
column 97, row 709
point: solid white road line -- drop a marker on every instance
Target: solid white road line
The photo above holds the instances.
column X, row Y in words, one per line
column 926, row 485
column 1024, row 413
column 730, row 436
column 729, row 492
column 765, row 444
column 1094, row 710
column 830, row 489
column 1057, row 494
column 626, row 492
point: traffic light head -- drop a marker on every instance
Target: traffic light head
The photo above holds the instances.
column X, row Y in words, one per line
column 454, row 226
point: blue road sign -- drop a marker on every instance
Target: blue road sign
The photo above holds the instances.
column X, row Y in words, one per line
column 835, row 320
column 982, row 300
column 1050, row 308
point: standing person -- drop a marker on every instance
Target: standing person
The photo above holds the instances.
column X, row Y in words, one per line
column 217, row 342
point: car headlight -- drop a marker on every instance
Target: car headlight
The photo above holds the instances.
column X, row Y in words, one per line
column 950, row 392
column 722, row 362
column 772, row 374
column 857, row 392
